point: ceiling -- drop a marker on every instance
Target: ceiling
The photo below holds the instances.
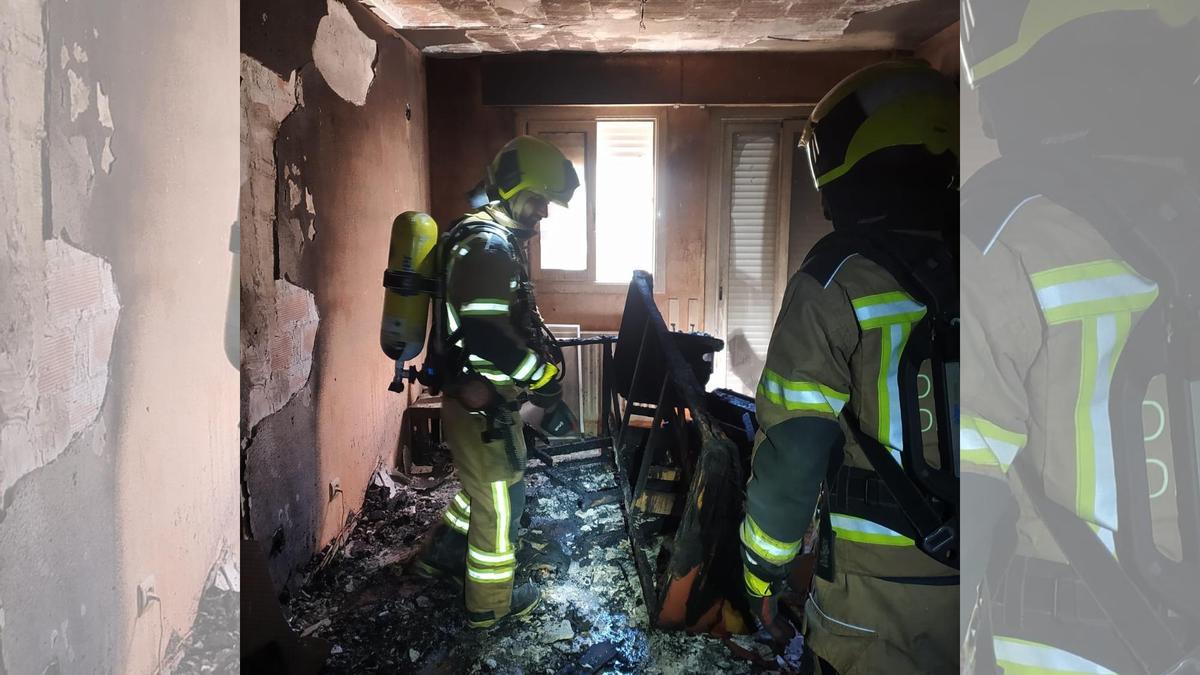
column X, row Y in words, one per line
column 462, row 27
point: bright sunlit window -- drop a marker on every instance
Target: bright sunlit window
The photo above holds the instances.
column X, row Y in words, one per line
column 624, row 200
column 564, row 233
column 609, row 229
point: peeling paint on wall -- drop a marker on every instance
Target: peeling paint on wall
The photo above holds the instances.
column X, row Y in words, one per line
column 279, row 367
column 53, row 397
column 296, row 219
column 344, row 55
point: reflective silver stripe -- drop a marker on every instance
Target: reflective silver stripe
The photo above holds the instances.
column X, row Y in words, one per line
column 851, row 528
column 1091, row 290
column 1010, row 216
column 889, row 309
column 1109, row 346
column 537, row 374
column 489, row 576
column 463, row 503
column 1106, row 537
column 970, row 439
column 769, row 549
column 456, row 522
column 838, row 269
column 1034, row 655
column 452, row 317
column 897, row 338
column 500, row 495
column 490, row 558
column 526, row 368
column 472, row 308
column 800, row 395
column 813, row 599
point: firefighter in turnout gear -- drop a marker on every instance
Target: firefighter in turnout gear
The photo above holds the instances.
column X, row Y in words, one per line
column 841, row 375
column 1079, row 338
column 498, row 355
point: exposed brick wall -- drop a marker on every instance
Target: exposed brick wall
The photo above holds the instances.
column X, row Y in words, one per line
column 61, row 395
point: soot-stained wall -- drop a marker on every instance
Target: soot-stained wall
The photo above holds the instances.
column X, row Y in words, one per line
column 334, row 147
column 117, row 389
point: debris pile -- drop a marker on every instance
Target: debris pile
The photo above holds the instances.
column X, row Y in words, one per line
column 212, row 644
column 591, row 619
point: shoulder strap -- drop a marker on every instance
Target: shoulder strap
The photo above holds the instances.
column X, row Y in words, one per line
column 936, row 536
column 1135, row 620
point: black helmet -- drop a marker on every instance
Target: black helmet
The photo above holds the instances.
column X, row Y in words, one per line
column 884, row 142
column 1098, row 77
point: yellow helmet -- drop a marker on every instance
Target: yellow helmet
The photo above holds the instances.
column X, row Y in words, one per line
column 998, row 33
column 903, row 106
column 529, row 163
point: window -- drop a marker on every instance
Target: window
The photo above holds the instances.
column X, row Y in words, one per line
column 564, row 234
column 610, row 228
column 751, row 220
column 624, row 200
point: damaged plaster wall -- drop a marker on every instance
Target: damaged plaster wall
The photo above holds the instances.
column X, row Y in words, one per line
column 474, row 27
column 334, row 146
column 117, row 417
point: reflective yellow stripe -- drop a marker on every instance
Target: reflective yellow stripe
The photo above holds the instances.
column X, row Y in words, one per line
column 886, row 309
column 464, row 502
column 500, row 495
column 801, row 395
column 894, row 314
column 485, row 307
column 755, row 586
column 765, row 546
column 1091, row 289
column 489, row 576
column 526, row 368
column 862, row 531
column 985, row 444
column 491, row 559
column 1023, row 657
column 455, row 522
column 1102, row 296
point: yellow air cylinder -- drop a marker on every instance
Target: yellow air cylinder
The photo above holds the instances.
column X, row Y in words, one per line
column 411, row 257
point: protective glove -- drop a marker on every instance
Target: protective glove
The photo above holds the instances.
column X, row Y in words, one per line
column 559, row 420
column 546, row 396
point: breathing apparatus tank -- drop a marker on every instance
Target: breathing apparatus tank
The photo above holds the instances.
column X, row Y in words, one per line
column 410, row 281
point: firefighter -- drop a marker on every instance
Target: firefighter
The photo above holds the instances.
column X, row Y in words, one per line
column 1078, row 260
column 498, row 357
column 882, row 147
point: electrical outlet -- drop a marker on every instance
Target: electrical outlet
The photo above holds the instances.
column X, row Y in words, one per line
column 335, row 486
column 145, row 594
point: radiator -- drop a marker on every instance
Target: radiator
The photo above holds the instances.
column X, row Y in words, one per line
column 585, row 368
column 572, row 392
column 591, row 363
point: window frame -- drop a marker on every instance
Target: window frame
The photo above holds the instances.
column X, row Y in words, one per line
column 583, row 119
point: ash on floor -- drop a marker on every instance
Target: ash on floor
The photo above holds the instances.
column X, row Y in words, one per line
column 382, row 620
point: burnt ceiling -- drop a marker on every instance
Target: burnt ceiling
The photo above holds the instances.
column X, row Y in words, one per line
column 463, row 27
